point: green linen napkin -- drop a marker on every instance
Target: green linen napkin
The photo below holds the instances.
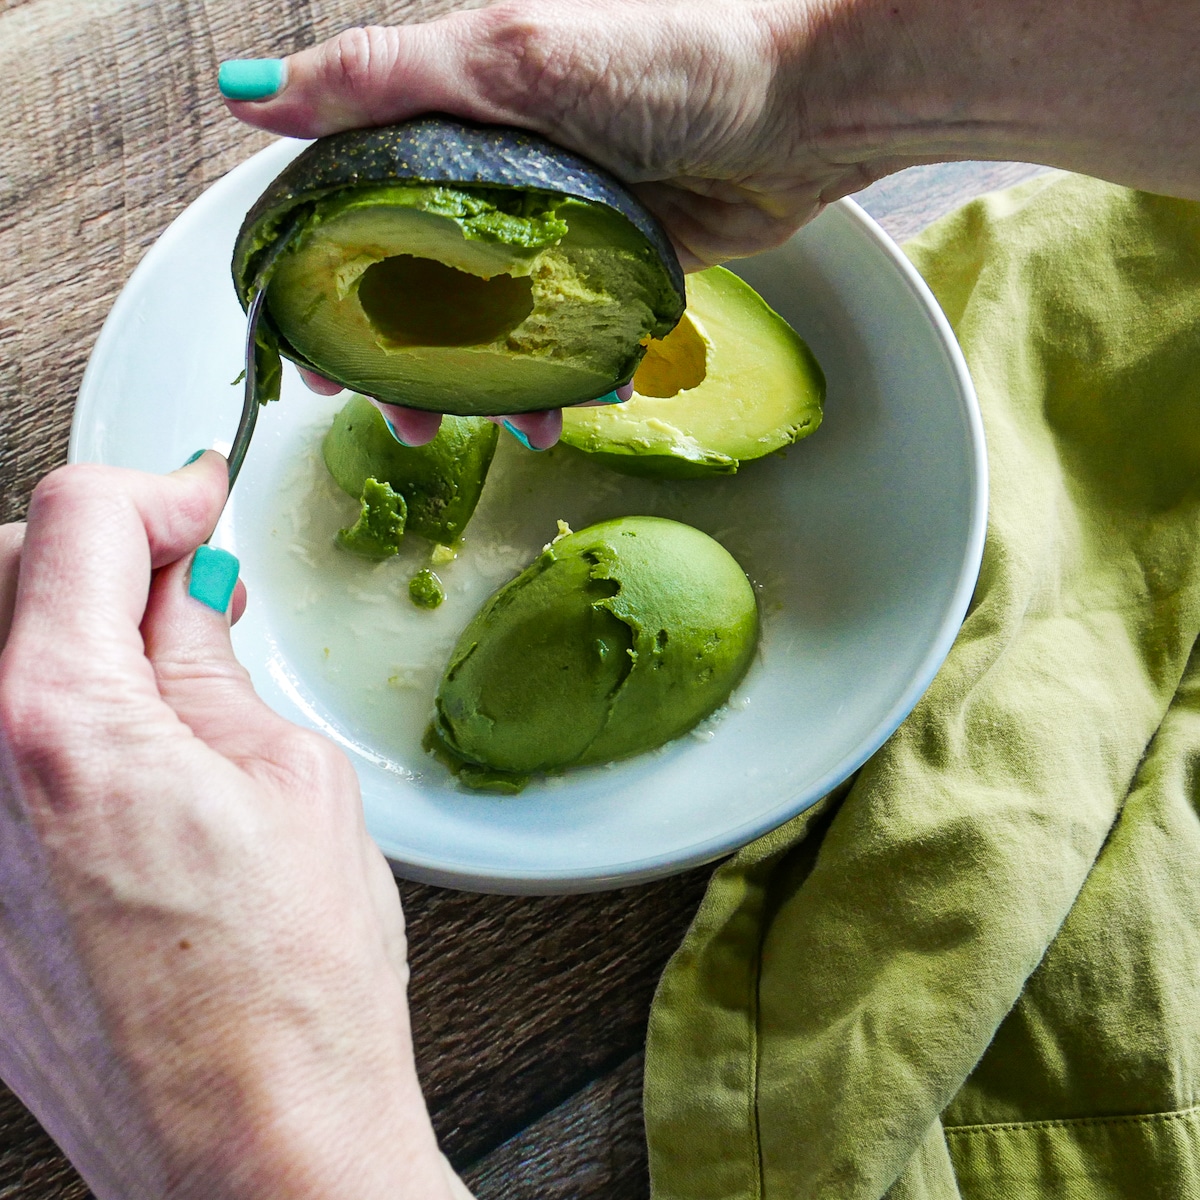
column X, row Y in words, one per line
column 974, row 973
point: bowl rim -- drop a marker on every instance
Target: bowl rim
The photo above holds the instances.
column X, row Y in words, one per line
column 548, row 881
column 652, row 867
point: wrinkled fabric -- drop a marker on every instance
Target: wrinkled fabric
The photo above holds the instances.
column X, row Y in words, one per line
column 974, row 973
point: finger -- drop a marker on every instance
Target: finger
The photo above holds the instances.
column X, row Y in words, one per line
column 11, row 539
column 410, row 426
column 93, row 537
column 616, row 396
column 363, row 77
column 319, row 384
column 237, row 607
column 536, row 430
column 186, row 635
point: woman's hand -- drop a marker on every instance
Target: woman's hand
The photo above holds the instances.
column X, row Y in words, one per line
column 416, row 427
column 736, row 121
column 202, row 954
column 678, row 101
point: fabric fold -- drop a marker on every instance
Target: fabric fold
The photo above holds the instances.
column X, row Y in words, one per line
column 844, row 977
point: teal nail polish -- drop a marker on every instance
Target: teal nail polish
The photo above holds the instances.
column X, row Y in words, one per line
column 609, row 398
column 394, row 432
column 251, row 78
column 214, row 576
column 193, row 458
column 521, row 436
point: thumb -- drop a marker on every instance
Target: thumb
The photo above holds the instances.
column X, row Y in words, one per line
column 371, row 76
column 186, row 635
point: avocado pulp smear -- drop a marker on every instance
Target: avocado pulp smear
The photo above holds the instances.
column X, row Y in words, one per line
column 616, row 640
column 459, row 269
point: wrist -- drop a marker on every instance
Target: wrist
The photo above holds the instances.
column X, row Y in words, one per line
column 884, row 84
column 308, row 1139
column 302, row 1090
column 1111, row 89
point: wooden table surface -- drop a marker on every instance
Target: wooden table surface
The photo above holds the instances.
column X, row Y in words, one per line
column 529, row 1013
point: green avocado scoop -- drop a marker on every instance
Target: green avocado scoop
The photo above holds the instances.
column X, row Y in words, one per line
column 617, row 639
column 458, row 268
column 440, row 482
column 379, row 529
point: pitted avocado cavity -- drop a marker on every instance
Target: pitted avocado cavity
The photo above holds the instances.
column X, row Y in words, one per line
column 675, row 364
column 421, row 302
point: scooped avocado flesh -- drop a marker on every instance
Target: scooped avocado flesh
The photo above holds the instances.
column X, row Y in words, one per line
column 470, row 300
column 615, row 640
column 379, row 529
column 731, row 382
column 440, row 481
column 425, row 589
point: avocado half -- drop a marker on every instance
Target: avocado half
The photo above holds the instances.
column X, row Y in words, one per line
column 615, row 640
column 731, row 382
column 439, row 483
column 458, row 268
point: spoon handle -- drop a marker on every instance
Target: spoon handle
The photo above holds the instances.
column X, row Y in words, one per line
column 250, row 405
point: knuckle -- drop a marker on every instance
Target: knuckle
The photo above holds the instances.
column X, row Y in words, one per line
column 315, row 763
column 523, row 58
column 36, row 724
column 193, row 506
column 72, row 487
column 359, row 55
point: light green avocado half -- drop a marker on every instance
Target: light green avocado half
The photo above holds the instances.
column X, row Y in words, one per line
column 440, row 482
column 470, row 300
column 731, row 382
column 615, row 640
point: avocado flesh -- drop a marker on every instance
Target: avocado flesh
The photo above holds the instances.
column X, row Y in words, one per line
column 436, row 298
column 440, row 482
column 730, row 383
column 616, row 640
column 379, row 530
column 425, row 589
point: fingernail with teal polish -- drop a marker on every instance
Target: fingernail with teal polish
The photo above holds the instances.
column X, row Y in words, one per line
column 193, row 458
column 521, row 436
column 251, row 78
column 214, row 576
column 609, row 398
column 393, row 431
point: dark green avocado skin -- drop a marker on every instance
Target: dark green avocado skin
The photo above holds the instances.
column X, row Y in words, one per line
column 438, row 149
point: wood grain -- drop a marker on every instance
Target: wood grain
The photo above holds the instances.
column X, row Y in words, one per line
column 529, row 1014
column 591, row 1146
column 520, row 1001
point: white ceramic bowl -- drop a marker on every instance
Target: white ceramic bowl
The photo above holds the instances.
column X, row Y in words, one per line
column 864, row 541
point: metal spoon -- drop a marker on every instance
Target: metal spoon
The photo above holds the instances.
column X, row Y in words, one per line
column 250, row 401
column 250, row 404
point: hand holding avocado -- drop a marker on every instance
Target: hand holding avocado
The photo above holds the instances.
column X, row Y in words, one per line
column 735, row 123
column 446, row 266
